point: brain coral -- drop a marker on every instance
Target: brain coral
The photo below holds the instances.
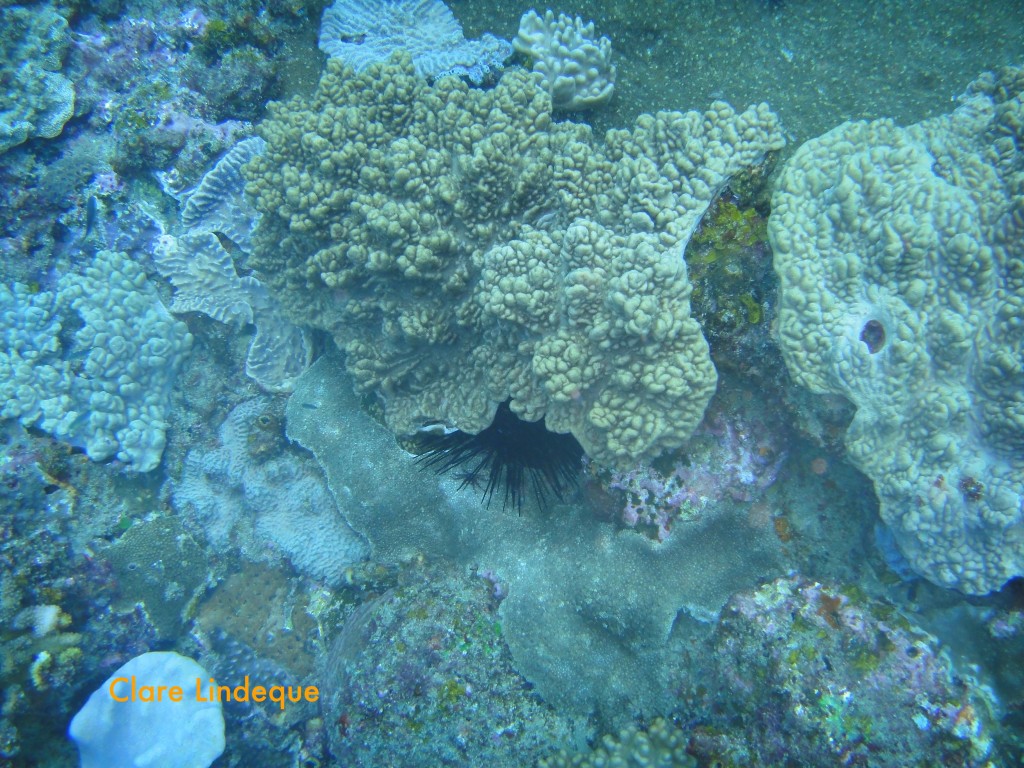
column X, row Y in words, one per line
column 247, row 492
column 900, row 256
column 464, row 250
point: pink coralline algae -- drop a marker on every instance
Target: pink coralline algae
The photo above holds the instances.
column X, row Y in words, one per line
column 193, row 22
column 730, row 459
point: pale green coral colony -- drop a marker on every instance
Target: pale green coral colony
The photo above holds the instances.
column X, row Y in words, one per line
column 38, row 99
column 465, row 250
column 899, row 252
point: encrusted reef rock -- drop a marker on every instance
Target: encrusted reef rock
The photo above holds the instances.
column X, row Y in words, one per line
column 38, row 99
column 430, row 658
column 812, row 675
column 900, row 256
column 464, row 250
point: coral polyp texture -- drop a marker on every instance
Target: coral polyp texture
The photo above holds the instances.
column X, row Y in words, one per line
column 576, row 67
column 465, row 250
column 94, row 362
column 901, row 262
column 662, row 744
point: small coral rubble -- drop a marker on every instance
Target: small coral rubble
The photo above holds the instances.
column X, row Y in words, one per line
column 661, row 744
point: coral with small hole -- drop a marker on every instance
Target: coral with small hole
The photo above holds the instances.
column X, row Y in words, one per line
column 902, row 288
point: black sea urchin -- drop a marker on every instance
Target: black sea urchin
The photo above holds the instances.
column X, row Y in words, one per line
column 512, row 453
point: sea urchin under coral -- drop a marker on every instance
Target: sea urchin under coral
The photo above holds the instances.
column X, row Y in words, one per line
column 510, row 453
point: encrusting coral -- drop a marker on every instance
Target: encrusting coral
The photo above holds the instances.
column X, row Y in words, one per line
column 465, row 250
column 38, row 99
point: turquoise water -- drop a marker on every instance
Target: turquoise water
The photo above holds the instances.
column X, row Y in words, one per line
column 214, row 382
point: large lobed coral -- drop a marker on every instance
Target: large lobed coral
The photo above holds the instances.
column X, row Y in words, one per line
column 465, row 250
column 900, row 256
